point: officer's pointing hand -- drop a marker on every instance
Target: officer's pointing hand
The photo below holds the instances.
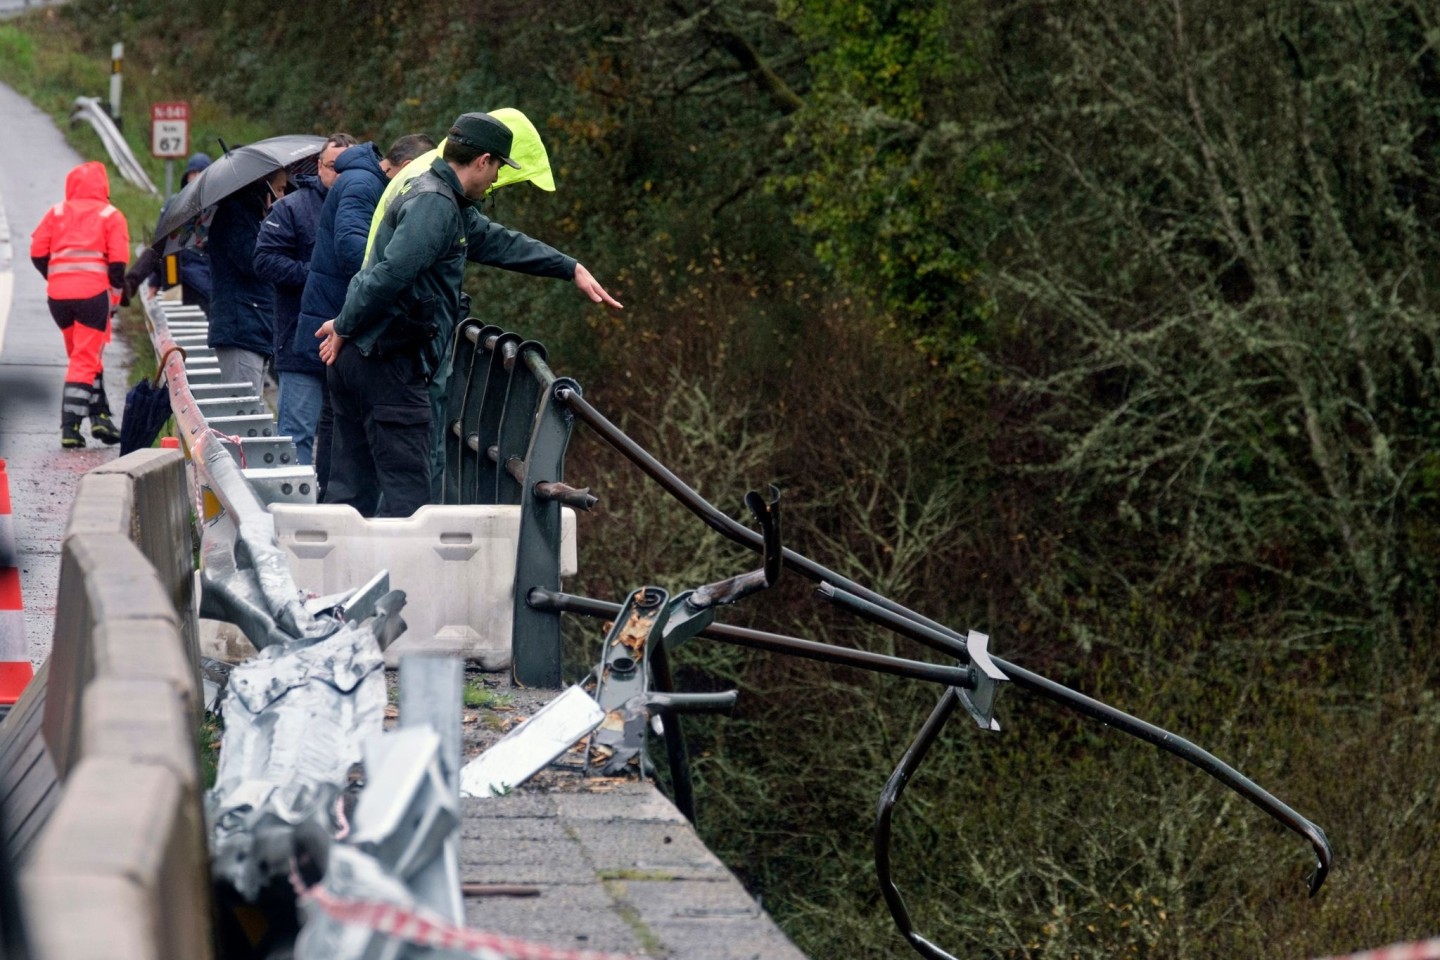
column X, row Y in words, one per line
column 591, row 288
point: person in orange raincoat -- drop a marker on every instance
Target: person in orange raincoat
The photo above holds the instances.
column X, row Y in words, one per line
column 81, row 247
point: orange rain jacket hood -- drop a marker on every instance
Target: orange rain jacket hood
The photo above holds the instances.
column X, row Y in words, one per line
column 80, row 239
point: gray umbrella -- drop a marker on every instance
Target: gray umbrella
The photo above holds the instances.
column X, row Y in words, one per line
column 237, row 168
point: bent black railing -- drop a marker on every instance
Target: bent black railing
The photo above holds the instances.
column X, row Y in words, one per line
column 504, row 399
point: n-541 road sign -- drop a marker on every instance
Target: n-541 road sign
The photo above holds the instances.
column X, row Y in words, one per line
column 170, row 129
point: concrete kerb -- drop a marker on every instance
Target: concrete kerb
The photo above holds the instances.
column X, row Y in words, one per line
column 123, row 826
column 121, row 869
column 104, row 579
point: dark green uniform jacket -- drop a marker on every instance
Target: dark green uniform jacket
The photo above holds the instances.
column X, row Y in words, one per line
column 408, row 294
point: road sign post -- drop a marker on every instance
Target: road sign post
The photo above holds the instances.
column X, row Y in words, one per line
column 170, row 135
column 170, row 129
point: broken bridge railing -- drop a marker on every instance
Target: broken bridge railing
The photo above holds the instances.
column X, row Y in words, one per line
column 508, row 422
column 506, row 431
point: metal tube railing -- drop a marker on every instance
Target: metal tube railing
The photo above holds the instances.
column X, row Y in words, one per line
column 909, row 623
column 842, row 591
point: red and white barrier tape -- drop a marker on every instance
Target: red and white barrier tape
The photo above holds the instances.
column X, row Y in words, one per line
column 231, row 438
column 426, row 929
column 1420, row 950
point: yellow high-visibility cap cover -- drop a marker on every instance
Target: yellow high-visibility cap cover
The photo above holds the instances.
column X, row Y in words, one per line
column 527, row 150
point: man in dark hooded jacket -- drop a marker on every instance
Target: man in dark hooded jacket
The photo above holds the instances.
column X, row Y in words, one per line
column 340, row 236
column 283, row 252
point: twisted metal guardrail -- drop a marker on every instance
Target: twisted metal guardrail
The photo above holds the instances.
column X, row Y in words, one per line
column 509, row 420
column 310, row 706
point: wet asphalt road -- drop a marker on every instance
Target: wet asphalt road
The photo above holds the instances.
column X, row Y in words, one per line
column 34, row 160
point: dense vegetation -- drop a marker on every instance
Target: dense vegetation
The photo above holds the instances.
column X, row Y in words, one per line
column 1107, row 328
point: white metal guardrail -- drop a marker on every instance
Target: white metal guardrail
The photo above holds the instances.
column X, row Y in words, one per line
column 90, row 110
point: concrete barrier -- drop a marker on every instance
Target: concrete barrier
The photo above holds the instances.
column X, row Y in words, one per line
column 108, row 877
column 117, row 866
column 108, row 592
column 159, row 524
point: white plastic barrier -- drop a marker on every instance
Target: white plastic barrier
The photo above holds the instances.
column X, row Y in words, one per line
column 456, row 565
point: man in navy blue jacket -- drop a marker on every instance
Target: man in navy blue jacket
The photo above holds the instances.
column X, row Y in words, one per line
column 282, row 256
column 340, row 237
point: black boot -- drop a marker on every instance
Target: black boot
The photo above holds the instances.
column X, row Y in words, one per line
column 101, row 426
column 74, row 405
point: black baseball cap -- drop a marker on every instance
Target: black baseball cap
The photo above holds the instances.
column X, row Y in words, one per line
column 484, row 133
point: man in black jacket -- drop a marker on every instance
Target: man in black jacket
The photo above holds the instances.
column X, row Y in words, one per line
column 361, row 174
column 401, row 309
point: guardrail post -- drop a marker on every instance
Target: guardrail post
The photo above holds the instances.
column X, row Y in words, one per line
column 537, row 650
column 462, row 410
column 522, row 396
column 492, row 408
column 457, row 393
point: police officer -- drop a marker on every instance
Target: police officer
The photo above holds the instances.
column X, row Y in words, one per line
column 401, row 309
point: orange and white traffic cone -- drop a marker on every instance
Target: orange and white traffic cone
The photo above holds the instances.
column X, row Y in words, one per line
column 15, row 669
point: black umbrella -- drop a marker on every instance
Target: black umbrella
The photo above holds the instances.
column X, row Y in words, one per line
column 236, row 169
column 147, row 408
